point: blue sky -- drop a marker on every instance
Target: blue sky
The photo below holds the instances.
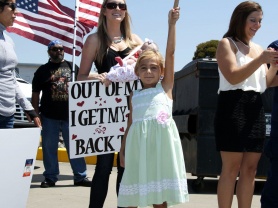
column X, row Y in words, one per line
column 200, row 21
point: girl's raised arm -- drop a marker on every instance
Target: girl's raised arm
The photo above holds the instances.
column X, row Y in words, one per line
column 168, row 80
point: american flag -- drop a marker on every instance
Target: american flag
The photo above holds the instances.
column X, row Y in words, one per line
column 46, row 20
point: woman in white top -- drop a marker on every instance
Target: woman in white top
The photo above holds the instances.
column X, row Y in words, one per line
column 240, row 119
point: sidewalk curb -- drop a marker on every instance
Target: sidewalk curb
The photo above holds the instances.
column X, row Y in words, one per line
column 63, row 157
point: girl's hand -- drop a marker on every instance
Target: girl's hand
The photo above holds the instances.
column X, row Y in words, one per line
column 101, row 77
column 106, row 82
column 174, row 15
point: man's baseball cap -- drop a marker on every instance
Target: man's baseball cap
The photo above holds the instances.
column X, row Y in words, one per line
column 274, row 45
column 53, row 43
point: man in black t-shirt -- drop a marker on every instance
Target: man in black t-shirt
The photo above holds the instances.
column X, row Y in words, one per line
column 52, row 80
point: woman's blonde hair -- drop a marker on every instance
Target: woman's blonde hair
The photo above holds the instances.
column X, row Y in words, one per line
column 104, row 40
column 149, row 54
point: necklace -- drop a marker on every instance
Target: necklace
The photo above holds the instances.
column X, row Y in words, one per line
column 243, row 43
column 117, row 39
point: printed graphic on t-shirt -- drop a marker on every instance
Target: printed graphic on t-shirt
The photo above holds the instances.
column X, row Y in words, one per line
column 59, row 81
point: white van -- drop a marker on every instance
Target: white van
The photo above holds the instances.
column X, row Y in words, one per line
column 20, row 119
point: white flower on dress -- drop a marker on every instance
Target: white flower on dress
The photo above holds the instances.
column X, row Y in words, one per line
column 163, row 118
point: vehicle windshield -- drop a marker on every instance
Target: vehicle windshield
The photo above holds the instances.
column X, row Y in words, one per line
column 19, row 78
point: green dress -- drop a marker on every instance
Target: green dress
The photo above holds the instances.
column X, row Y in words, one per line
column 154, row 163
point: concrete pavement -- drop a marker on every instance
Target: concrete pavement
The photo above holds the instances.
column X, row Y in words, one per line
column 66, row 195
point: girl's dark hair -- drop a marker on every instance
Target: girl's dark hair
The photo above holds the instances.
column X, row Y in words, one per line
column 2, row 5
column 238, row 20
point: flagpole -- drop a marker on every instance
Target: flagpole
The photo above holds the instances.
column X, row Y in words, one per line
column 74, row 40
column 176, row 3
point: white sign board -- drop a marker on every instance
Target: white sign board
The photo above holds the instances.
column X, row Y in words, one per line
column 18, row 150
column 97, row 116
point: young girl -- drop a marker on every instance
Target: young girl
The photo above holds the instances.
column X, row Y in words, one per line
column 151, row 151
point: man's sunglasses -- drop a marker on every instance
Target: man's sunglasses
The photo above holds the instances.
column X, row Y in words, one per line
column 113, row 5
column 10, row 4
column 57, row 49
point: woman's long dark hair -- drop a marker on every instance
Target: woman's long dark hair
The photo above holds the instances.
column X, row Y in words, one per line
column 2, row 5
column 238, row 20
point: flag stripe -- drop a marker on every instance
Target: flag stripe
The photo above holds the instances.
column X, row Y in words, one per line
column 88, row 11
column 44, row 39
column 47, row 22
column 51, row 31
column 95, row 3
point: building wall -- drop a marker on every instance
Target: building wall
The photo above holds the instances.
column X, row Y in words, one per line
column 27, row 70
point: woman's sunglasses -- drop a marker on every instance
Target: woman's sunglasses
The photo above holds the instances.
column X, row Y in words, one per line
column 10, row 4
column 113, row 5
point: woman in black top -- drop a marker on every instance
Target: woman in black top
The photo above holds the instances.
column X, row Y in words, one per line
column 113, row 38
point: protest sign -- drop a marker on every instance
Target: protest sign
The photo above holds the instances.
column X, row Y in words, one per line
column 98, row 116
column 18, row 149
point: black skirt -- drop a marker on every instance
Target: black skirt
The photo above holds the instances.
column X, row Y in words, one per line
column 239, row 123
